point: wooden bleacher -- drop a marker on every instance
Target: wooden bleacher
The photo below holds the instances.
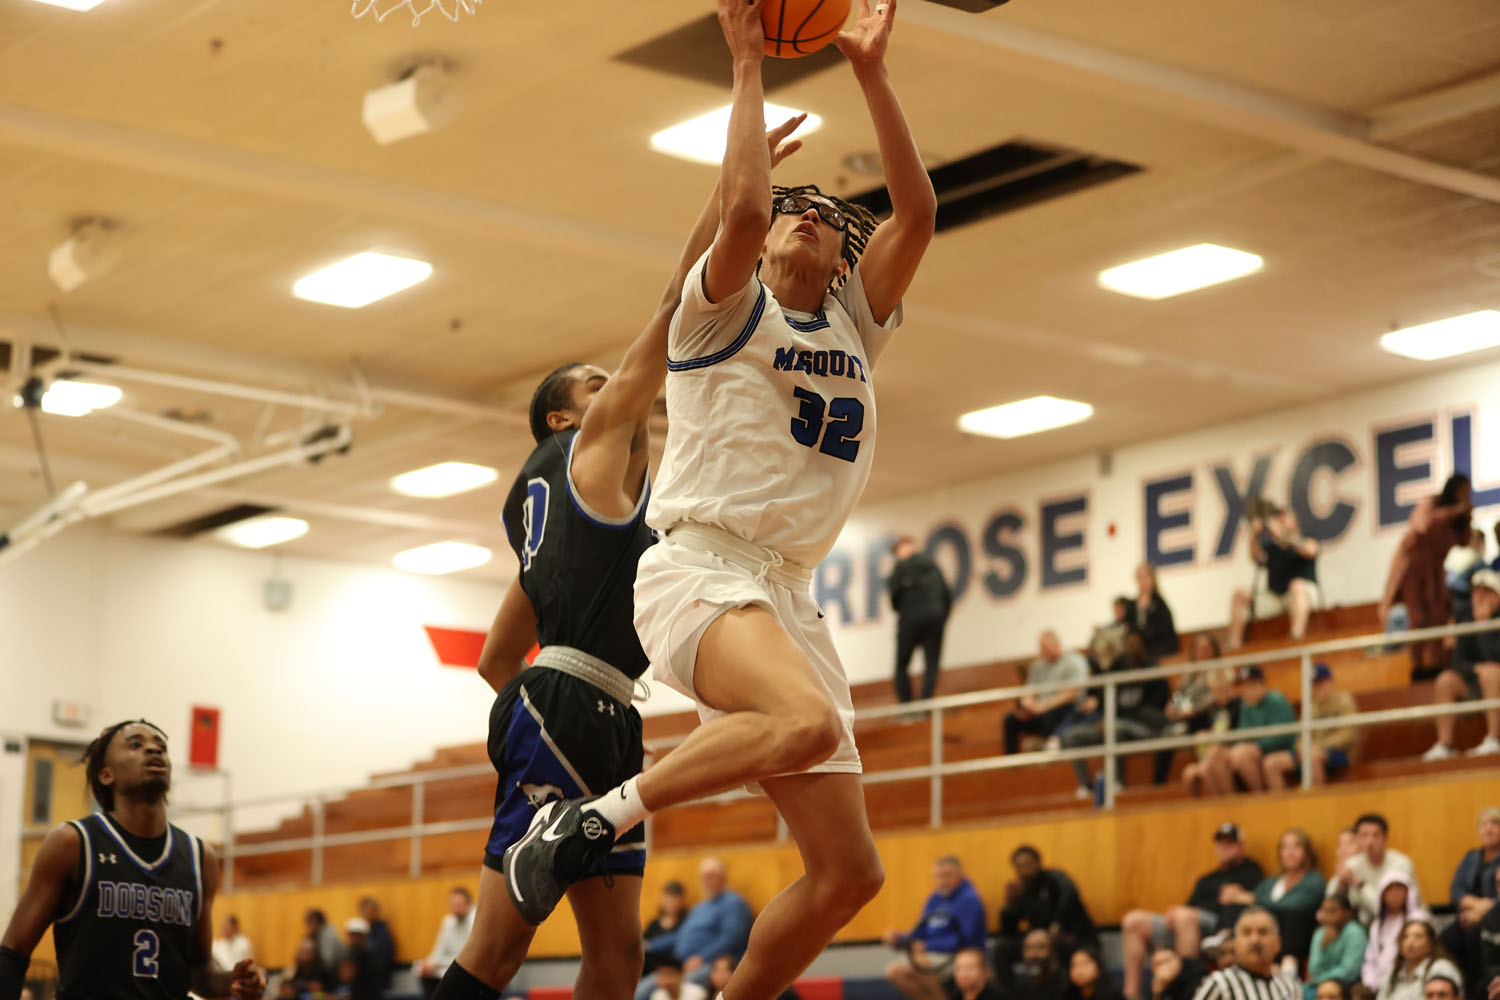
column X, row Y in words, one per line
column 1378, row 682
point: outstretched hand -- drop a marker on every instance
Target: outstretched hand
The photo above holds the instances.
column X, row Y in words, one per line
column 775, row 137
column 742, row 27
column 864, row 44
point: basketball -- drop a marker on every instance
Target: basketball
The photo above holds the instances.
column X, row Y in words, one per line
column 796, row 28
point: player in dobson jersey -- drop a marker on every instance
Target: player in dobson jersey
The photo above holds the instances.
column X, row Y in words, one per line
column 128, row 895
column 771, row 431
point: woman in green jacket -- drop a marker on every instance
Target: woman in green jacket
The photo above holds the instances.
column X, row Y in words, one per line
column 1293, row 894
column 1338, row 947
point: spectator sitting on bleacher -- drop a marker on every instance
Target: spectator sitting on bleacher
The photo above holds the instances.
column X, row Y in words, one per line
column 1041, row 714
column 457, row 924
column 1420, row 957
column 1039, row 897
column 380, row 942
column 1440, row 987
column 660, row 935
column 1331, row 747
column 669, row 983
column 1292, row 895
column 1174, row 977
column 308, row 973
column 1473, row 892
column 1152, row 617
column 1140, row 710
column 1348, row 847
column 1459, row 567
column 1362, row 875
column 1291, row 563
column 231, row 947
column 952, row 920
column 1039, row 976
column 1108, row 641
column 1399, row 905
column 1209, row 774
column 1489, row 954
column 1203, row 914
column 325, row 938
column 1195, row 691
column 971, row 978
column 1416, row 577
column 359, row 972
column 1088, row 979
column 1338, row 946
column 1328, row 989
column 1259, row 706
column 1475, row 673
column 718, row 925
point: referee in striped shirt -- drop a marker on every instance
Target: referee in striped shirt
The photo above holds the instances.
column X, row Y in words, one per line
column 1255, row 976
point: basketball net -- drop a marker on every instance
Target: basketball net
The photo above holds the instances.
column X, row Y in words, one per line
column 383, row 9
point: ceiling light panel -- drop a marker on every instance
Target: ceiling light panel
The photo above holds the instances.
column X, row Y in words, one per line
column 443, row 480
column 357, row 281
column 1179, row 271
column 1025, row 416
column 1446, row 338
column 703, row 139
column 66, row 398
column 442, row 557
column 262, row 532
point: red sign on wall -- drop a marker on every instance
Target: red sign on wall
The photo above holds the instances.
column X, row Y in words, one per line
column 203, row 746
column 460, row 647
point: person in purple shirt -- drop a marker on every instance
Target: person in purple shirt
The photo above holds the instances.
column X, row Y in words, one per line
column 952, row 920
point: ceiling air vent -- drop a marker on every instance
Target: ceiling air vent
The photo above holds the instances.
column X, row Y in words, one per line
column 1004, row 178
column 213, row 520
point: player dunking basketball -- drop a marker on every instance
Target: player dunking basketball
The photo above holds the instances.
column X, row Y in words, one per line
column 771, row 433
column 129, row 897
column 565, row 727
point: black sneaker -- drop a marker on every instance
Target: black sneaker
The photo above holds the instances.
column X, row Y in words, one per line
column 562, row 847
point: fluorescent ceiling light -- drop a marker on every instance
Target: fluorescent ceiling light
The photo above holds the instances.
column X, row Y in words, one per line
column 444, row 479
column 704, row 138
column 261, row 532
column 359, row 280
column 1445, row 338
column 1025, row 416
column 66, row 398
column 1180, row 271
column 73, row 4
column 442, row 557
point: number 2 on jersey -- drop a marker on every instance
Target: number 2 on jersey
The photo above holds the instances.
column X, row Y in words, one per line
column 837, row 422
column 534, row 518
column 147, row 947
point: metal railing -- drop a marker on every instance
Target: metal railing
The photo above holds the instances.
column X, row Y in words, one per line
column 934, row 771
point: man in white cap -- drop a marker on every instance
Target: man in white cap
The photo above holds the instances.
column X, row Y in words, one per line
column 1475, row 672
column 359, row 971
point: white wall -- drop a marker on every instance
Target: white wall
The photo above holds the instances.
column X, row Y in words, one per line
column 1430, row 416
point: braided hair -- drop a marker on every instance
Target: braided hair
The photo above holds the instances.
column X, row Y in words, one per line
column 95, row 753
column 553, row 393
column 861, row 220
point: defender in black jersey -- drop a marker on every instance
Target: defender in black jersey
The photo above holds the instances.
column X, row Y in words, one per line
column 128, row 895
column 564, row 728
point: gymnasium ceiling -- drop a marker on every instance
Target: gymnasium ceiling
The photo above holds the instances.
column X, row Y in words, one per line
column 1354, row 144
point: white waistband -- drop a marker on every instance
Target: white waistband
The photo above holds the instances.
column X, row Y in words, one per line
column 764, row 563
column 586, row 667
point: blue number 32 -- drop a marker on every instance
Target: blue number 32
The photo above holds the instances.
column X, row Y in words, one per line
column 837, row 422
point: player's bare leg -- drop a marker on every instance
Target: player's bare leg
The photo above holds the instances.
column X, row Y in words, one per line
column 780, row 719
column 825, row 814
column 608, row 913
column 496, row 946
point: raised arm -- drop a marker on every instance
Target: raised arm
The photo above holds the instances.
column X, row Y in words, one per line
column 610, row 454
column 895, row 249
column 50, row 875
column 745, row 178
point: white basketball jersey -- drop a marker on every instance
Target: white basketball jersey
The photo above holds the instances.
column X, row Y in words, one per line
column 771, row 415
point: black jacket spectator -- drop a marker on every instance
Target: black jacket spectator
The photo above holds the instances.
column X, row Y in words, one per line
column 1154, row 621
column 382, row 949
column 1049, row 901
column 1489, row 961
column 1044, row 984
column 918, row 590
column 360, row 973
column 1245, row 872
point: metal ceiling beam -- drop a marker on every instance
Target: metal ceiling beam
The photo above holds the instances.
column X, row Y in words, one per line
column 1211, row 100
column 176, row 356
column 243, row 170
column 1436, row 107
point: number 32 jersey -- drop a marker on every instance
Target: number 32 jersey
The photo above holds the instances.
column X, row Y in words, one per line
column 771, row 415
column 577, row 565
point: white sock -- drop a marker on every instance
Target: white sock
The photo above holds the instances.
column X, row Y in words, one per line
column 622, row 806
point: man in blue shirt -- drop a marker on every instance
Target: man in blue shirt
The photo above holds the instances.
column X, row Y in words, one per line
column 952, row 920
column 718, row 925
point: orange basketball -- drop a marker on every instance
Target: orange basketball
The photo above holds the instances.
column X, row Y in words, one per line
column 801, row 27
